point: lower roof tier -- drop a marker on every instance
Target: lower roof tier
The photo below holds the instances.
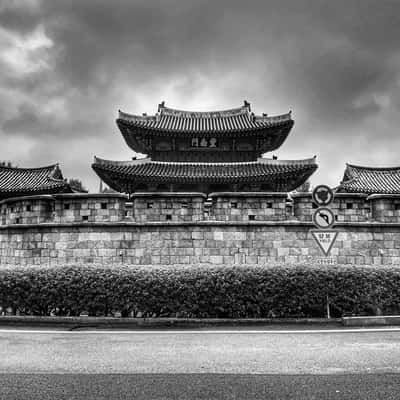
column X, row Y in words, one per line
column 145, row 174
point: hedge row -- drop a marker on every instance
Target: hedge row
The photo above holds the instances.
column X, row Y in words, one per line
column 223, row 292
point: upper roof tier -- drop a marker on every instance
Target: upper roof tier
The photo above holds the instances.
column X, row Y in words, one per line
column 179, row 121
column 370, row 180
column 141, row 133
column 26, row 181
column 233, row 120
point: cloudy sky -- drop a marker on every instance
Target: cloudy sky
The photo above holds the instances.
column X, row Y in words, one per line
column 66, row 67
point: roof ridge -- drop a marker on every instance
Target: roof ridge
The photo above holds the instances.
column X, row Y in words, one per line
column 166, row 111
column 372, row 168
column 52, row 166
column 129, row 116
column 245, row 109
column 98, row 160
column 234, row 112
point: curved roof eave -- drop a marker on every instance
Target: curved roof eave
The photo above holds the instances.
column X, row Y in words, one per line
column 260, row 160
column 367, row 168
column 48, row 167
column 221, row 129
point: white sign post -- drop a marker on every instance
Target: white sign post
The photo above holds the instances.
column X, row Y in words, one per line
column 323, row 219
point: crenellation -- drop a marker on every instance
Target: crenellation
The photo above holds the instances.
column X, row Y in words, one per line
column 385, row 207
column 248, row 206
column 347, row 207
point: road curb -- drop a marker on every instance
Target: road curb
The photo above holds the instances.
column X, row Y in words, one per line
column 145, row 323
column 384, row 320
column 140, row 323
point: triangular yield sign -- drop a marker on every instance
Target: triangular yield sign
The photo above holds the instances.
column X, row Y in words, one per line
column 325, row 239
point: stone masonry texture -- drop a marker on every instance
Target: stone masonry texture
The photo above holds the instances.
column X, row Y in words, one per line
column 188, row 228
column 167, row 244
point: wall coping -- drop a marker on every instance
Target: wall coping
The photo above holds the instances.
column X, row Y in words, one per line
column 351, row 195
column 168, row 194
column 336, row 195
column 248, row 194
column 89, row 195
column 383, row 196
column 53, row 197
column 48, row 197
column 300, row 194
column 194, row 223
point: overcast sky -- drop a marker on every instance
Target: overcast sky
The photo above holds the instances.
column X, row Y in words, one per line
column 66, row 67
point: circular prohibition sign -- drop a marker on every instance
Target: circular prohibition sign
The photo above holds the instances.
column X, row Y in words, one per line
column 322, row 195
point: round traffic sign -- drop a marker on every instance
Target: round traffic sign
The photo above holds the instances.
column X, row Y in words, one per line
column 323, row 218
column 322, row 195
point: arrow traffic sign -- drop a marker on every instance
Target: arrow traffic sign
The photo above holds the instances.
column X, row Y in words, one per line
column 323, row 218
column 325, row 239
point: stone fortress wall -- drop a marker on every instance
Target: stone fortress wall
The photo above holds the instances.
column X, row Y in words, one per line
column 191, row 228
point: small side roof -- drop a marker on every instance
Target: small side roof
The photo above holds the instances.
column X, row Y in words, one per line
column 25, row 181
column 370, row 180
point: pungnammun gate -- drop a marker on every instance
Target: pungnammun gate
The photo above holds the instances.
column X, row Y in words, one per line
column 204, row 152
column 205, row 194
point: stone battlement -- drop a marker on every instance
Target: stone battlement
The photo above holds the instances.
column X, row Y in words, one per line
column 352, row 207
column 193, row 207
column 190, row 228
column 61, row 208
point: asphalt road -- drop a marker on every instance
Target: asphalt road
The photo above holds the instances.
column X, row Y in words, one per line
column 200, row 386
column 200, row 365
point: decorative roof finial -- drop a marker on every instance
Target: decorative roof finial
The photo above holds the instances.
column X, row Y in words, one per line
column 247, row 104
column 161, row 105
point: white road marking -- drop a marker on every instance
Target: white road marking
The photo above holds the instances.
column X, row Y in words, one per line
column 200, row 332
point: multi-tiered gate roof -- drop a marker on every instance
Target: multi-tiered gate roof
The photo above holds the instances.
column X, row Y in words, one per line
column 204, row 151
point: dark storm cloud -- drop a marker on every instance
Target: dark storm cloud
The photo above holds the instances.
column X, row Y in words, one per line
column 336, row 64
column 21, row 16
column 29, row 121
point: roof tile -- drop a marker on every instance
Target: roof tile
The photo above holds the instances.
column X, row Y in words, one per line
column 370, row 180
column 263, row 170
column 237, row 119
column 31, row 180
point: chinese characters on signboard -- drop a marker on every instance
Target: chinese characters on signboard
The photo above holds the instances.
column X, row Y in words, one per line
column 204, row 142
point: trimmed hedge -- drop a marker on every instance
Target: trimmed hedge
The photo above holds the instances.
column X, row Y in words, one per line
column 201, row 292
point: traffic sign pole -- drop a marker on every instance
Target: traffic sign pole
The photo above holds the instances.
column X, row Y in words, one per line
column 323, row 219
